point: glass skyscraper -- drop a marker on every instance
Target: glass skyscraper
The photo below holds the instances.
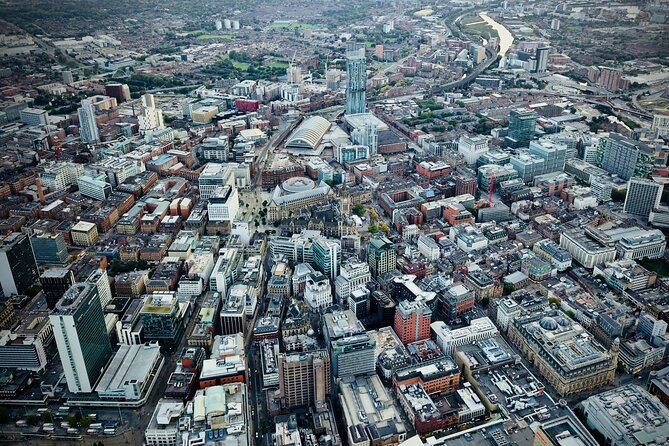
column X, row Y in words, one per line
column 356, row 66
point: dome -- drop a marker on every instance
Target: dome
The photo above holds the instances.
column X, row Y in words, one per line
column 562, row 321
column 298, row 184
column 548, row 323
column 310, row 332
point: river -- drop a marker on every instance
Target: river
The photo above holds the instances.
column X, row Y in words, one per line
column 505, row 36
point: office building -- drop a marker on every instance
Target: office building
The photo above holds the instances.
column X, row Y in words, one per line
column 120, row 92
column 626, row 158
column 472, row 147
column 660, row 125
column 448, row 340
column 22, row 351
column 522, row 124
column 585, row 248
column 81, row 336
column 642, row 244
column 55, row 282
column 233, row 311
column 163, row 428
column 162, row 318
column 100, row 279
column 553, row 154
column 351, row 347
column 304, row 379
column 151, row 118
column 562, row 431
column 223, row 204
column 356, row 79
column 627, row 416
column 354, row 274
column 129, row 373
column 317, row 292
column 57, row 176
column 381, row 256
column 564, row 353
column 412, row 321
column 327, row 256
column 428, row 247
column 34, row 116
column 94, row 188
column 18, row 269
column 370, row 413
column 84, row 233
column 212, row 176
column 542, row 59
column 88, row 126
column 643, row 195
column 49, row 248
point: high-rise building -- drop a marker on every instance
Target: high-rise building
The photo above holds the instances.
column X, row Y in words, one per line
column 55, row 282
column 542, row 59
column 660, row 125
column 304, row 379
column 34, row 116
column 49, row 248
column 354, row 274
column 59, row 175
column 381, row 256
column 100, row 279
column 626, row 158
column 161, row 318
column 327, row 256
column 120, row 92
column 223, row 204
column 356, row 79
column 412, row 321
column 351, row 347
column 88, row 126
column 151, row 118
column 18, row 269
column 643, row 195
column 522, row 125
column 94, row 188
column 81, row 336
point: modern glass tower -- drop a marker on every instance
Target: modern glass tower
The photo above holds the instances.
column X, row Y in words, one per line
column 356, row 66
column 81, row 336
column 522, row 125
column 88, row 126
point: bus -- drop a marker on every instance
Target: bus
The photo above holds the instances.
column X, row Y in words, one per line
column 109, row 424
column 92, row 416
column 95, row 426
column 42, row 410
column 109, row 431
column 64, row 409
column 62, row 414
column 91, row 431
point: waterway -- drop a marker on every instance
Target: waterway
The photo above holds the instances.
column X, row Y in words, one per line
column 505, row 36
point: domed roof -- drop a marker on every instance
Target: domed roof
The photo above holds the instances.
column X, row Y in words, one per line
column 563, row 321
column 298, row 184
column 548, row 323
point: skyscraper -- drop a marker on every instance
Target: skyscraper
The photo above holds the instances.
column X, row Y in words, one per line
column 643, row 195
column 542, row 59
column 81, row 336
column 88, row 127
column 522, row 124
column 49, row 248
column 152, row 117
column 55, row 282
column 356, row 78
column 18, row 270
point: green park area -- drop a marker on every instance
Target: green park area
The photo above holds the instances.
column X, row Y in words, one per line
column 215, row 37
column 293, row 25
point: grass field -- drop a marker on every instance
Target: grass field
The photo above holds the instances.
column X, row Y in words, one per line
column 279, row 64
column 467, row 20
column 482, row 29
column 239, row 65
column 293, row 25
column 215, row 36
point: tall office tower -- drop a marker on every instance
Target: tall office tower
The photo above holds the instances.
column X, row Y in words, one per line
column 522, row 125
column 55, row 282
column 81, row 336
column 472, row 147
column 88, row 127
column 643, row 196
column 381, row 256
column 18, row 270
column 626, row 158
column 542, row 59
column 304, row 379
column 354, row 274
column 553, row 154
column 49, row 248
column 367, row 135
column 412, row 321
column 356, row 79
column 151, row 118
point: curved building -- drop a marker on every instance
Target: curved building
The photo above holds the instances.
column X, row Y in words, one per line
column 296, row 193
column 309, row 134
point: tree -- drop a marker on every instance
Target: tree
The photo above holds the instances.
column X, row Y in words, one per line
column 555, row 301
column 373, row 229
column 359, row 210
column 570, row 313
column 509, row 288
